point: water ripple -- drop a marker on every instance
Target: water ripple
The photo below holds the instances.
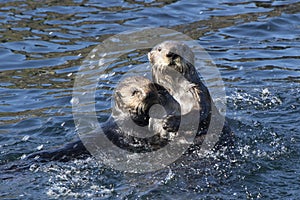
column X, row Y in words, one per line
column 255, row 44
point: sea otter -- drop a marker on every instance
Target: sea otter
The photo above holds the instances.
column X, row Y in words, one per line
column 173, row 68
column 130, row 125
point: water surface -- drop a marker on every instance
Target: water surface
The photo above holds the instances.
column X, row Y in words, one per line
column 255, row 45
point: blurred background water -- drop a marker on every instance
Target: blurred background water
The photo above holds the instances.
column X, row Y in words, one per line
column 255, row 45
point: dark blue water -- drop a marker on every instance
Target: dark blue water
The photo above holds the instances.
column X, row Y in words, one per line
column 255, row 45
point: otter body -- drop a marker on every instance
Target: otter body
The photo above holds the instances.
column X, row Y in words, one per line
column 130, row 125
column 173, row 67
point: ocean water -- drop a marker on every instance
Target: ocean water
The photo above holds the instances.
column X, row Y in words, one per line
column 254, row 44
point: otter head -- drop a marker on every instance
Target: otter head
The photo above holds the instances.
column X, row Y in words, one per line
column 134, row 97
column 172, row 55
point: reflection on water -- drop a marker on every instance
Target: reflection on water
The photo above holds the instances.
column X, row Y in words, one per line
column 255, row 45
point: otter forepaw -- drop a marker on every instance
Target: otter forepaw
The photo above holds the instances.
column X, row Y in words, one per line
column 171, row 123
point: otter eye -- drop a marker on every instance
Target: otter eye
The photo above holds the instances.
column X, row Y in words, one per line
column 134, row 92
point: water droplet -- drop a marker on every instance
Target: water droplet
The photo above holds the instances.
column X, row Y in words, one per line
column 40, row 147
column 115, row 40
column 34, row 167
column 92, row 66
column 25, row 138
column 95, row 187
column 74, row 101
column 100, row 63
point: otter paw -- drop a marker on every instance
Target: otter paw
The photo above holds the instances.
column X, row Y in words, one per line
column 171, row 123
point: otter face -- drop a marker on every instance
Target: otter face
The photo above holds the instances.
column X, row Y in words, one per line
column 169, row 57
column 171, row 53
column 134, row 96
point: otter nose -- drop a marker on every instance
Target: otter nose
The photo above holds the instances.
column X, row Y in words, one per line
column 172, row 55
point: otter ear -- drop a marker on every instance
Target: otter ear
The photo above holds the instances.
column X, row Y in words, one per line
column 118, row 95
column 149, row 56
